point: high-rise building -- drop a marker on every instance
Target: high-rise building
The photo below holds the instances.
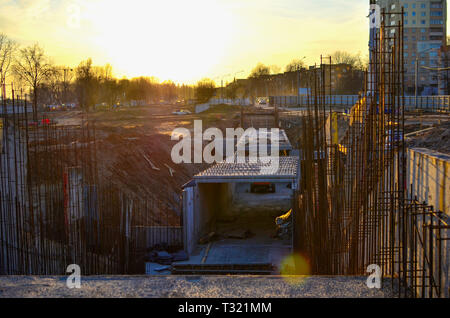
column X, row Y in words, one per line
column 425, row 32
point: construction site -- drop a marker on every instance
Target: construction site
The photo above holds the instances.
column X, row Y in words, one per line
column 355, row 186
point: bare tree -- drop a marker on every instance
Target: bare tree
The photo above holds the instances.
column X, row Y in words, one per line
column 58, row 83
column 355, row 60
column 87, row 82
column 205, row 89
column 362, row 63
column 107, row 72
column 32, row 67
column 231, row 90
column 343, row 57
column 295, row 65
column 110, row 91
column 7, row 48
column 67, row 78
column 259, row 70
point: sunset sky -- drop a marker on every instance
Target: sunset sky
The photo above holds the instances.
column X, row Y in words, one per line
column 187, row 40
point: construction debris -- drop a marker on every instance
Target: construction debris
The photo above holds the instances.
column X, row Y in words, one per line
column 433, row 138
column 171, row 171
column 284, row 225
column 162, row 268
column 165, row 258
column 180, row 256
column 285, row 218
column 151, row 163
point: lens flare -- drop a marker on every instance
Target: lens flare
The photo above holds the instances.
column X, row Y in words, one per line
column 295, row 268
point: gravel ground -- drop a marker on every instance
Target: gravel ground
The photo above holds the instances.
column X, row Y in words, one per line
column 437, row 139
column 193, row 287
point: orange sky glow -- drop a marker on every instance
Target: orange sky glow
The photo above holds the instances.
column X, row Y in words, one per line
column 185, row 41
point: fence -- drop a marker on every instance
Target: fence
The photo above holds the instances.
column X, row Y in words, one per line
column 230, row 101
column 303, row 101
column 146, row 237
column 426, row 103
column 56, row 208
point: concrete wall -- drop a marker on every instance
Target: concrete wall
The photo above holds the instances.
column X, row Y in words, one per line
column 427, row 103
column 198, row 213
column 188, row 219
column 278, row 202
column 204, row 203
column 428, row 177
column 230, row 101
column 200, row 108
column 210, row 201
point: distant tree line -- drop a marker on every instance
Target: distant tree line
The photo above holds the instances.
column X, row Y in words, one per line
column 266, row 80
column 86, row 85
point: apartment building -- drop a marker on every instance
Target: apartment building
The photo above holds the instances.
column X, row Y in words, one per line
column 425, row 33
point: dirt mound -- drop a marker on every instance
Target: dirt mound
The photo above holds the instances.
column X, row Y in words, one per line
column 134, row 149
column 437, row 138
column 141, row 165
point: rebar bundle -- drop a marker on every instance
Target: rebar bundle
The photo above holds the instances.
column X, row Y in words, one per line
column 55, row 208
column 351, row 208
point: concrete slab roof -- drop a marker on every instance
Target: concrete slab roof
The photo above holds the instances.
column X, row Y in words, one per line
column 251, row 140
column 288, row 169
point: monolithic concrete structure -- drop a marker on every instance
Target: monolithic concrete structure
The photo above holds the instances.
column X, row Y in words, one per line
column 238, row 202
column 429, row 178
column 239, row 197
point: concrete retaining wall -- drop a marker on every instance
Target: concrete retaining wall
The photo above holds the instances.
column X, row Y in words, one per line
column 230, row 101
column 428, row 177
column 219, row 101
column 200, row 108
column 427, row 103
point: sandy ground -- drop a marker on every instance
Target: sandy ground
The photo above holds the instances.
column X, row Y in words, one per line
column 134, row 150
column 193, row 287
column 434, row 136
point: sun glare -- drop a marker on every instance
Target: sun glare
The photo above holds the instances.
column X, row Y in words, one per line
column 178, row 40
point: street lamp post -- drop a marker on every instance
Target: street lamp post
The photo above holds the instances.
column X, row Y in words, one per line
column 1, row 82
column 415, row 81
column 298, row 82
column 221, row 77
column 66, row 71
